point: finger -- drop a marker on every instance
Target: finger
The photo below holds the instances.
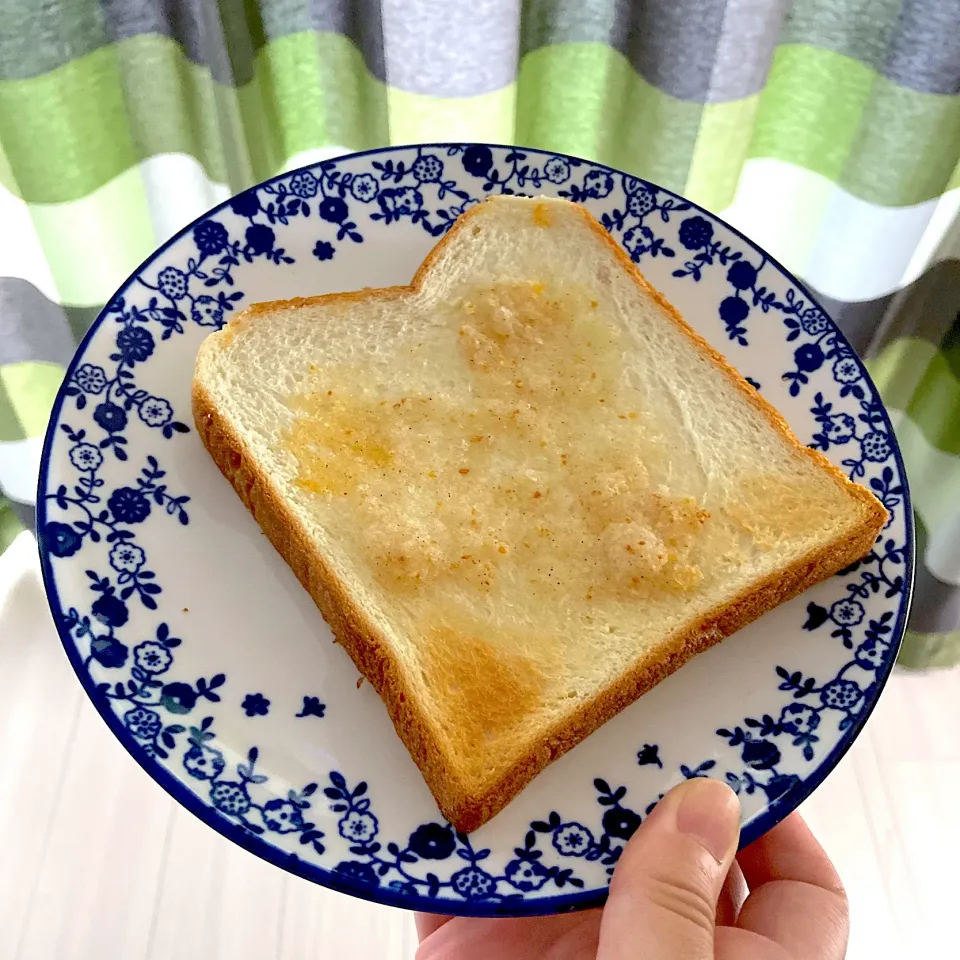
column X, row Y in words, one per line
column 796, row 900
column 427, row 923
column 788, row 852
column 663, row 898
column 732, row 896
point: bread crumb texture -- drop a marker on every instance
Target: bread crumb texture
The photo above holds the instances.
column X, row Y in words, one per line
column 527, row 474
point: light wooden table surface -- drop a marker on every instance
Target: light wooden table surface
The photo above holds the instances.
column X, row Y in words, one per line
column 97, row 863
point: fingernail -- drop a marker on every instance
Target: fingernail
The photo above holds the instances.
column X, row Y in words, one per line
column 709, row 812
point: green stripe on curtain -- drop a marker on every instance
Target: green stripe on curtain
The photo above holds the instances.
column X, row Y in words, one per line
column 67, row 132
column 10, row 525
column 28, row 390
column 834, row 115
column 929, row 651
column 586, row 99
column 916, row 377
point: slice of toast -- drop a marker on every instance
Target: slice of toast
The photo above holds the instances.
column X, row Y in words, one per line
column 522, row 491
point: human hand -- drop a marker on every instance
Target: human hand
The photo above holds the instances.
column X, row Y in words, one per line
column 679, row 893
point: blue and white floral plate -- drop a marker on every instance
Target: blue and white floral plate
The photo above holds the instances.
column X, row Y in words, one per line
column 213, row 667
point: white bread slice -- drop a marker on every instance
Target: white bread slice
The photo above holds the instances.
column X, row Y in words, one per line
column 522, row 491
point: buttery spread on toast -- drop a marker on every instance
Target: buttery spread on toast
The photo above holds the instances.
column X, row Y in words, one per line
column 534, row 481
column 505, row 485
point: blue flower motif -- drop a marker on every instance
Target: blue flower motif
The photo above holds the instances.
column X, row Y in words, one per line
column 526, row 875
column 109, row 651
column 733, row 311
column 620, row 822
column 135, row 343
column 742, row 275
column 641, row 202
column 472, row 883
column 282, row 816
column 597, row 184
column 178, row 697
column 876, row 447
column 572, row 840
column 144, row 724
column 477, row 160
column 61, row 539
column 814, row 321
column 364, row 187
column 846, row 370
column 760, row 754
column 245, row 204
column 312, row 707
column 90, row 378
column 871, row 653
column 847, row 613
column 172, row 283
column 230, row 798
column 152, row 657
column 126, row 557
column 333, row 210
column 396, row 202
column 207, row 312
column 110, row 417
column 323, row 250
column 111, row 611
column 841, row 694
column 432, row 841
column 85, row 456
column 255, row 705
column 259, row 238
column 696, row 232
column 203, row 763
column 358, row 827
column 633, row 185
column 556, row 170
column 840, row 427
column 129, row 505
column 155, row 412
column 211, row 237
column 801, row 718
column 428, row 168
column 808, row 358
column 635, row 243
column 356, row 870
column 304, row 185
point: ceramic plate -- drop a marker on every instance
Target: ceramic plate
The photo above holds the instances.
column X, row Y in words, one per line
column 213, row 667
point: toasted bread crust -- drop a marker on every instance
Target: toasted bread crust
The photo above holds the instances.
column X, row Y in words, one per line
column 370, row 650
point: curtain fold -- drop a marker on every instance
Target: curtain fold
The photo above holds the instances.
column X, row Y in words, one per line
column 827, row 130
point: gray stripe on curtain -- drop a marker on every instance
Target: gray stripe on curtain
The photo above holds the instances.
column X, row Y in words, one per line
column 915, row 43
column 701, row 50
column 31, row 326
column 37, row 36
column 26, row 513
column 925, row 309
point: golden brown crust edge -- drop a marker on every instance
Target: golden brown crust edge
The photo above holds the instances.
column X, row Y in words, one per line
column 371, row 653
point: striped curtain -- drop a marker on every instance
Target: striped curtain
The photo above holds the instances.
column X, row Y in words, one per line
column 826, row 130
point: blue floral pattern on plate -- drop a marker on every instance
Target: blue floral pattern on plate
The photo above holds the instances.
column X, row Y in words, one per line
column 122, row 503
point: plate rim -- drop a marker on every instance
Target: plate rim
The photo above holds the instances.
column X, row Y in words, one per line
column 773, row 814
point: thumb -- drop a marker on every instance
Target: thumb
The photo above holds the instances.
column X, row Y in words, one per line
column 663, row 898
